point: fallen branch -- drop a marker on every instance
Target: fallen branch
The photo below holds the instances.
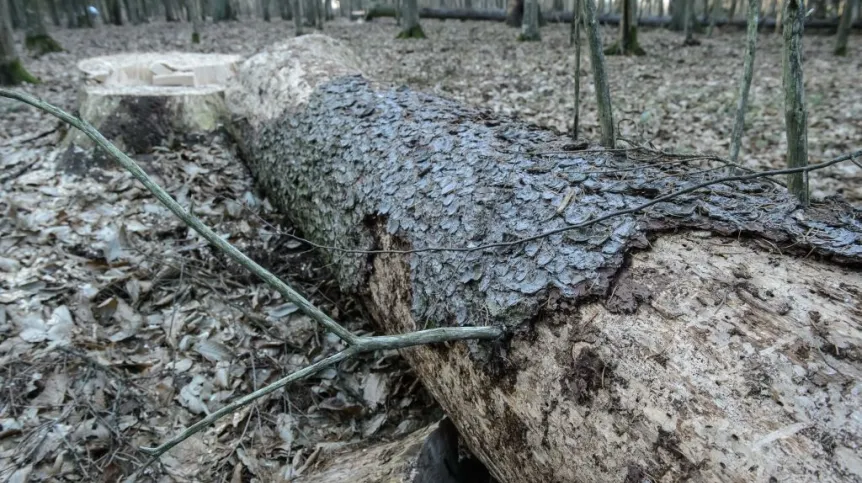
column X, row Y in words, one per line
column 356, row 344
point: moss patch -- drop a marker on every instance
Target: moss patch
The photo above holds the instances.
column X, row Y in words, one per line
column 39, row 45
column 414, row 32
column 13, row 73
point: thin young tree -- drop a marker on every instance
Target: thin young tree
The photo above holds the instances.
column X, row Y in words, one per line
column 628, row 39
column 411, row 28
column 689, row 21
column 745, row 83
column 36, row 38
column 600, row 78
column 795, row 113
column 297, row 17
column 194, row 9
column 530, row 23
column 12, row 72
column 844, row 28
column 576, row 35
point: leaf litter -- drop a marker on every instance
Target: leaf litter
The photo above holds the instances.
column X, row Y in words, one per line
column 119, row 326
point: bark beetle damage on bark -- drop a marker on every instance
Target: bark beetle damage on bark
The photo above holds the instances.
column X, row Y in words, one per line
column 573, row 395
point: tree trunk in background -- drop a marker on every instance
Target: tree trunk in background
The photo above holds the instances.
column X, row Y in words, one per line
column 84, row 19
column 115, row 12
column 732, row 13
column 515, row 13
column 773, row 9
column 170, row 14
column 672, row 345
column 12, row 72
column 54, row 12
column 600, row 77
column 410, row 28
column 133, row 11
column 530, row 27
column 194, row 9
column 795, row 112
column 297, row 17
column 36, row 38
column 285, row 9
column 223, row 11
column 310, row 13
column 677, row 15
column 628, row 39
column 745, row 83
column 844, row 29
column 16, row 14
column 264, row 7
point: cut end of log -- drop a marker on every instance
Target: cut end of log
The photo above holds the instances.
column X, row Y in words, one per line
column 171, row 69
column 143, row 100
column 292, row 70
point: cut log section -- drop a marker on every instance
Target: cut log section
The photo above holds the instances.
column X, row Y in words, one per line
column 140, row 101
column 715, row 337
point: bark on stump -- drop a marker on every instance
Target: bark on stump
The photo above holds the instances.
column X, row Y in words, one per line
column 717, row 337
column 140, row 101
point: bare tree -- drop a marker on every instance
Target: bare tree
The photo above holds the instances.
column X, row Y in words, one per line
column 12, row 72
column 576, row 36
column 600, row 78
column 411, row 28
column 688, row 21
column 194, row 8
column 530, row 25
column 628, row 39
column 297, row 16
column 36, row 39
column 795, row 113
column 844, row 28
column 745, row 83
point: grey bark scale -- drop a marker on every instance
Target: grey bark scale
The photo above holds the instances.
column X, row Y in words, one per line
column 435, row 173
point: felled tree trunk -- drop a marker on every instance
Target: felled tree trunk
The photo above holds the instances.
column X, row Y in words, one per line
column 714, row 338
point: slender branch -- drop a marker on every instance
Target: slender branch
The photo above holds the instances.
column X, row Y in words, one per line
column 248, row 399
column 356, row 344
column 285, row 290
column 363, row 344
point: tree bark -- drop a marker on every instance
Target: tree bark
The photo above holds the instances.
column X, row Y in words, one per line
column 600, row 77
column 628, row 39
column 411, row 28
column 675, row 345
column 795, row 112
column 844, row 29
column 745, row 82
column 530, row 24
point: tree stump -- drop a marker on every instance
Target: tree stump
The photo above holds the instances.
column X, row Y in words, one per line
column 717, row 336
column 140, row 101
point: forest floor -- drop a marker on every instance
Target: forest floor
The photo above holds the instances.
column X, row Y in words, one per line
column 119, row 326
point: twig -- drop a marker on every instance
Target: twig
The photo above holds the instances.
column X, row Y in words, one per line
column 285, row 290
